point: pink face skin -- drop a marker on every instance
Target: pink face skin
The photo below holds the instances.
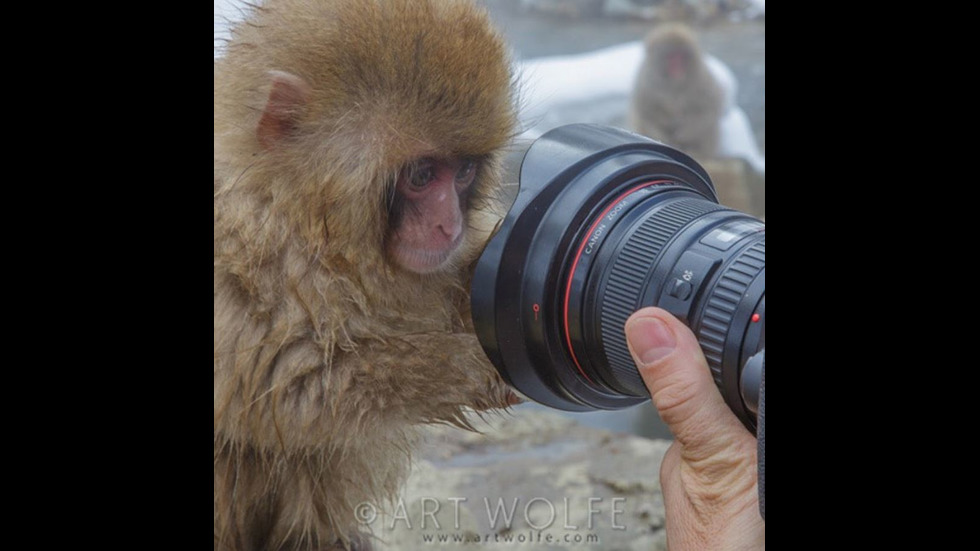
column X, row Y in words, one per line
column 430, row 224
column 677, row 62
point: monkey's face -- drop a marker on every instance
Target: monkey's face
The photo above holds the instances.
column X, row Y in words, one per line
column 673, row 51
column 677, row 62
column 427, row 219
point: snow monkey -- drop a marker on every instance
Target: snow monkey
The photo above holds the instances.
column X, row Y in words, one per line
column 676, row 99
column 356, row 142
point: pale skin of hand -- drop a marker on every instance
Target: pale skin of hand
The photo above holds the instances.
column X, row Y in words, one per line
column 708, row 475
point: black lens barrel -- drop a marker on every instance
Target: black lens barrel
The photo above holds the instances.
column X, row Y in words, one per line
column 607, row 222
column 628, row 283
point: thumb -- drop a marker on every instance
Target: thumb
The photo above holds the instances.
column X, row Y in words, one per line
column 677, row 376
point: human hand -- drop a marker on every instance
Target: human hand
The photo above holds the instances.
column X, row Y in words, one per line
column 708, row 476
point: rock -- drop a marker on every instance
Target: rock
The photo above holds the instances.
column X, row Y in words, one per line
column 738, row 186
column 731, row 180
column 531, row 480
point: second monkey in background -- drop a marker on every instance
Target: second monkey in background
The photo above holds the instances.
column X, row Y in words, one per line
column 676, row 99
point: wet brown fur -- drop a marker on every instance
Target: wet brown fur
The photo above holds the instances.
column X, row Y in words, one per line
column 681, row 112
column 326, row 357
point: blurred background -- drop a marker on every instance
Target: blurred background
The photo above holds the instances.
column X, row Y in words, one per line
column 690, row 73
column 734, row 31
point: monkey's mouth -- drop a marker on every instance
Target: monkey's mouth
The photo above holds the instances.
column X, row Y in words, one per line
column 427, row 261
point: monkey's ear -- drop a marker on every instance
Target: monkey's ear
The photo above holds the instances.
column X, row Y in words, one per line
column 287, row 98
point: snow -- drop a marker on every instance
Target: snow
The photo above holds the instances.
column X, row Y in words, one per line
column 596, row 86
column 226, row 12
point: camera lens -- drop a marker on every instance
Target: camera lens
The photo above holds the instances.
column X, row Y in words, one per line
column 605, row 223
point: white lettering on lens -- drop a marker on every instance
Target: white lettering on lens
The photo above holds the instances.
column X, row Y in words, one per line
column 595, row 238
column 616, row 210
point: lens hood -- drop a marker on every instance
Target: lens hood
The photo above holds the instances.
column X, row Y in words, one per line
column 568, row 178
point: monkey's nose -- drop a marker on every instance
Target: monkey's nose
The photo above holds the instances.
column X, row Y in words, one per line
column 450, row 230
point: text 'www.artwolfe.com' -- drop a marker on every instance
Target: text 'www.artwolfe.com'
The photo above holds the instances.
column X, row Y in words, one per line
column 507, row 537
column 538, row 520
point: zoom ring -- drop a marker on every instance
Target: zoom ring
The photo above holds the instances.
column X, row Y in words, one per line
column 627, row 281
column 722, row 302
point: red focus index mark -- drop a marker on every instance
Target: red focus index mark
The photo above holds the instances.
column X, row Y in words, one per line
column 536, row 309
column 755, row 318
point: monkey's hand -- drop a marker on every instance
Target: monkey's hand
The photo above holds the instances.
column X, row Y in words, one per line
column 378, row 387
column 430, row 377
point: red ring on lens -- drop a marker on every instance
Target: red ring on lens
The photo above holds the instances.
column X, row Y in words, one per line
column 578, row 256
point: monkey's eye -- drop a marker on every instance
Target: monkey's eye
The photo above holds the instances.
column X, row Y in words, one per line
column 466, row 173
column 422, row 175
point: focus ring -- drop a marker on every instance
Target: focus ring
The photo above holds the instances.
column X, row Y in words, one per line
column 722, row 302
column 627, row 280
